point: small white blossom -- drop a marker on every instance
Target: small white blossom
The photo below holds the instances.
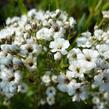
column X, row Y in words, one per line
column 57, row 56
column 59, row 45
column 51, row 91
column 84, row 40
column 50, row 100
column 45, row 34
column 105, row 14
column 46, row 79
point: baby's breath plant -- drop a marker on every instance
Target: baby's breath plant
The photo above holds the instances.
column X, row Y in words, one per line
column 49, row 59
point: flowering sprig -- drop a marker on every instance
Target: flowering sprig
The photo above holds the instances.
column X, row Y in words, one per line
column 34, row 48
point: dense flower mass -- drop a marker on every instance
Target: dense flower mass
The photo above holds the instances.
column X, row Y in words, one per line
column 36, row 45
column 22, row 41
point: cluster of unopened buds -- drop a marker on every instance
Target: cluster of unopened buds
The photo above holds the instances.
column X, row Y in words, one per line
column 37, row 44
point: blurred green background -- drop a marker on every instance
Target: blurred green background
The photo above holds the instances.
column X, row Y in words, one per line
column 88, row 13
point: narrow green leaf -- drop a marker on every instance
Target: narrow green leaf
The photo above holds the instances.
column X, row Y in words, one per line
column 22, row 7
column 81, row 22
column 99, row 4
column 106, row 6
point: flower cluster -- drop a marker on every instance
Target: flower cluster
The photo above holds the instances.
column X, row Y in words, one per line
column 36, row 45
column 23, row 40
column 97, row 79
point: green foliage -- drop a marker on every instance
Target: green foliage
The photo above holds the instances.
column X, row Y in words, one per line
column 22, row 7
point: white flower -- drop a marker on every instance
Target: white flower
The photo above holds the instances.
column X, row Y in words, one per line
column 17, row 63
column 72, row 21
column 50, row 100
column 51, row 91
column 90, row 58
column 60, row 33
column 84, row 40
column 17, row 77
column 2, row 53
column 59, row 45
column 8, row 88
column 102, row 62
column 30, row 48
column 77, row 70
column 40, row 15
column 80, row 94
column 101, row 105
column 31, row 63
column 22, row 88
column 91, row 54
column 46, row 79
column 62, row 82
column 23, row 21
column 44, row 33
column 72, row 86
column 75, row 54
column 6, row 61
column 42, row 101
column 28, row 27
column 54, row 78
column 6, row 33
column 31, row 13
column 12, row 20
column 96, row 100
column 6, row 74
column 63, row 16
column 18, row 40
column 9, row 76
column 98, row 34
column 103, row 50
column 98, row 79
column 45, row 23
column 62, row 87
column 102, row 80
column 13, row 48
column 58, row 11
column 12, row 87
column 105, row 14
column 57, row 56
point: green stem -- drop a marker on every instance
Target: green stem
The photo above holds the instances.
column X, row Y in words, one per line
column 101, row 23
column 9, row 107
column 57, row 4
column 89, row 20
